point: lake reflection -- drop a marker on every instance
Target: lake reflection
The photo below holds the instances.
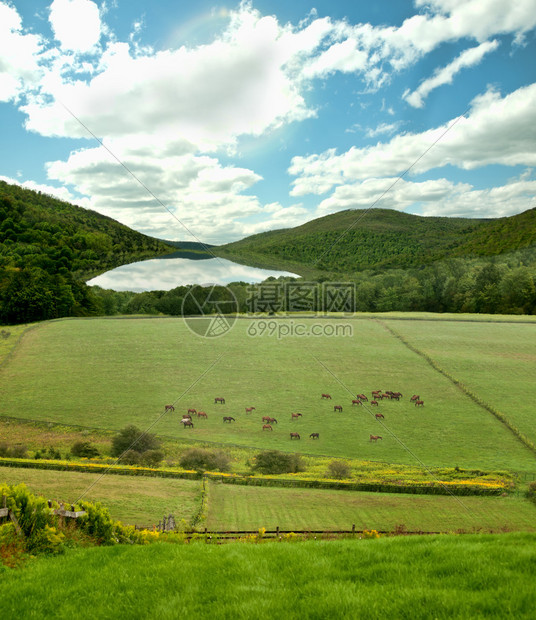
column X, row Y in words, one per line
column 163, row 275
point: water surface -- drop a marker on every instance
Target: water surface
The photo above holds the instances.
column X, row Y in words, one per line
column 158, row 274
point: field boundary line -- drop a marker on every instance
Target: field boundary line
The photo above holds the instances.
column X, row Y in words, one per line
column 464, row 389
column 15, row 346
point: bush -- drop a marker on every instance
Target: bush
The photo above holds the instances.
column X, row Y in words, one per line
column 338, row 470
column 275, row 462
column 131, row 457
column 132, row 438
column 84, row 449
column 17, row 452
column 152, row 458
column 201, row 459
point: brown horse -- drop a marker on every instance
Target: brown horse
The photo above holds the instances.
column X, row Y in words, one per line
column 186, row 416
column 219, row 399
column 228, row 418
column 187, row 422
column 356, row 402
column 337, row 408
column 192, row 411
column 169, row 408
column 269, row 420
column 362, row 397
column 415, row 397
column 380, row 416
column 294, row 435
column 326, row 396
column 267, row 427
column 314, row 435
column 296, row 415
column 375, row 437
column 201, row 414
column 249, row 409
column 374, row 403
column 419, row 403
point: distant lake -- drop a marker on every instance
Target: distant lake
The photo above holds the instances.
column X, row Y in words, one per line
column 163, row 274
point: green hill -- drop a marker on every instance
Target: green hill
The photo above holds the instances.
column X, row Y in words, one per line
column 49, row 247
column 355, row 240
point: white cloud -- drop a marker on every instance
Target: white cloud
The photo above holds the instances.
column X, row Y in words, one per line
column 498, row 130
column 76, row 24
column 382, row 128
column 18, row 55
column 445, row 75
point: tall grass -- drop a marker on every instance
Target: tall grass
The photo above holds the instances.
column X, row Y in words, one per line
column 414, row 577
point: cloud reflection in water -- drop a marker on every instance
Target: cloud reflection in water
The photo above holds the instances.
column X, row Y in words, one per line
column 163, row 275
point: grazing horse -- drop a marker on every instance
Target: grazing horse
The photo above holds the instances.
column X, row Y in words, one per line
column 337, row 408
column 376, row 393
column 294, row 435
column 382, row 396
column 219, row 399
column 397, row 395
column 228, row 418
column 249, row 409
column 186, row 416
column 296, row 415
column 327, row 396
column 269, row 420
column 356, row 402
column 187, row 422
column 169, row 408
column 374, row 403
column 375, row 437
column 314, row 435
column 415, row 397
column 419, row 403
column 362, row 397
column 192, row 411
column 201, row 414
column 380, row 416
column 267, row 427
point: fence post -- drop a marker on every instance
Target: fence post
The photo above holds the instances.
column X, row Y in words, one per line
column 277, row 531
column 353, row 528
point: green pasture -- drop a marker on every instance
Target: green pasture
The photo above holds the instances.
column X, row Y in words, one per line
column 250, row 507
column 495, row 361
column 107, row 373
column 444, row 577
column 129, row 499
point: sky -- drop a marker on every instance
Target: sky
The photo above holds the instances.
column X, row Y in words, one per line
column 214, row 120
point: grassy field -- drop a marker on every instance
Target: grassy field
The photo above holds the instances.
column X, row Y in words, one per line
column 442, row 577
column 129, row 499
column 249, row 508
column 475, row 353
column 106, row 373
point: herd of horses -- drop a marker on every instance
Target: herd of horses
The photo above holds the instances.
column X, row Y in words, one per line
column 268, row 421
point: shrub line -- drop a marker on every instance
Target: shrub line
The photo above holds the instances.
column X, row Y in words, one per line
column 425, row 488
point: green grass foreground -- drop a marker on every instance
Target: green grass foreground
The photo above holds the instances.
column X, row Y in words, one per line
column 471, row 576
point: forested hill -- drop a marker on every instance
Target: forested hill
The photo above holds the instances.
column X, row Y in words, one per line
column 48, row 247
column 355, row 240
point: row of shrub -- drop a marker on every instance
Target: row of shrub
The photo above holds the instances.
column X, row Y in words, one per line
column 474, row 397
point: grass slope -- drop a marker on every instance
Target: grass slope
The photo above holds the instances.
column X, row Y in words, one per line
column 110, row 373
column 355, row 239
column 450, row 577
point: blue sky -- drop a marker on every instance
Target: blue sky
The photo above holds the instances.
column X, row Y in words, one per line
column 240, row 117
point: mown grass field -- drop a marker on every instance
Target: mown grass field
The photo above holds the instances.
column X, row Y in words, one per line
column 441, row 577
column 249, row 508
column 129, row 499
column 107, row 373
